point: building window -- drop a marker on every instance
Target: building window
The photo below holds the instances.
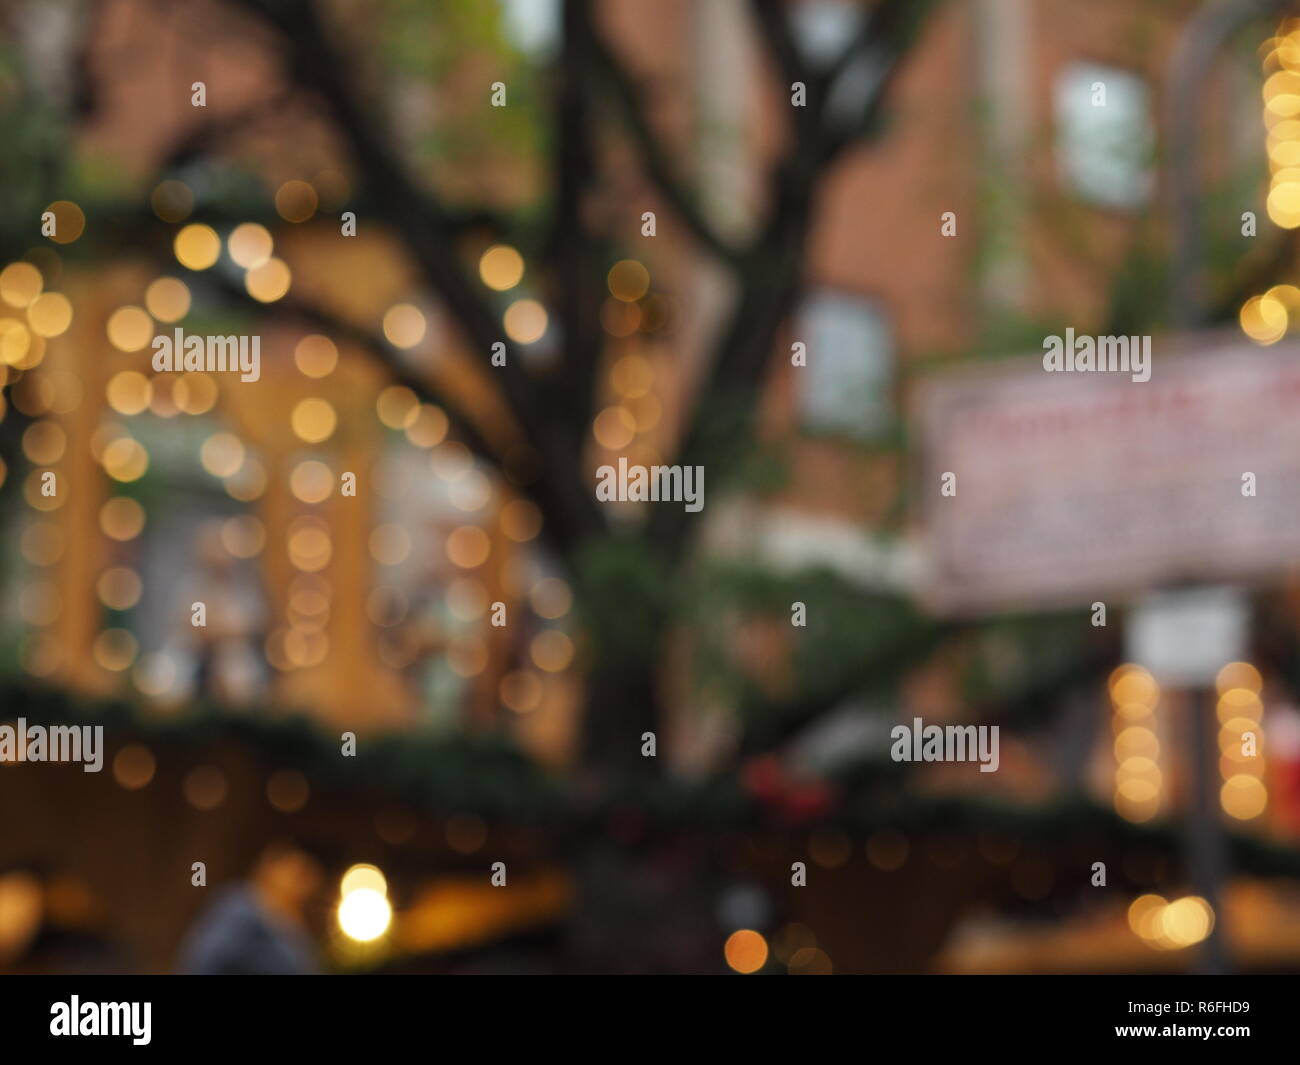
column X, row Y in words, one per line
column 823, row 28
column 1104, row 135
column 533, row 26
column 846, row 382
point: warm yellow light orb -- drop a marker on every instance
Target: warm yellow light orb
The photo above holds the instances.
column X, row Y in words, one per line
column 745, row 951
column 250, row 245
column 197, row 246
column 501, row 267
column 363, row 876
column 526, row 321
column 364, row 915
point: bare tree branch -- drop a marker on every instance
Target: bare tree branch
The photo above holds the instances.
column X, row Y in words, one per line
column 577, row 273
column 462, row 422
column 771, row 272
column 889, row 32
column 138, row 229
column 420, row 219
column 552, row 414
column 773, row 20
column 609, row 68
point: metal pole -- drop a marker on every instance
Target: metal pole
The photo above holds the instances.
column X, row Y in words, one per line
column 1206, row 848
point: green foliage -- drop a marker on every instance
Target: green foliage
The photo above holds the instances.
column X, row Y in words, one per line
column 1138, row 292
column 874, row 637
column 32, row 171
column 727, row 448
column 488, row 776
column 624, row 599
column 855, row 644
column 482, row 774
column 1020, row 664
column 440, row 50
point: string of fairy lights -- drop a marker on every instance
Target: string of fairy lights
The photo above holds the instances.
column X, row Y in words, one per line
column 1268, row 317
column 1141, row 779
column 226, row 456
column 1141, row 736
column 35, row 312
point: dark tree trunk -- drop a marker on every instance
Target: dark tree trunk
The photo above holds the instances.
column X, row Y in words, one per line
column 622, row 705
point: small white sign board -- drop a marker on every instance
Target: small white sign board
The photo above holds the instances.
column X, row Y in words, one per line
column 1185, row 637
